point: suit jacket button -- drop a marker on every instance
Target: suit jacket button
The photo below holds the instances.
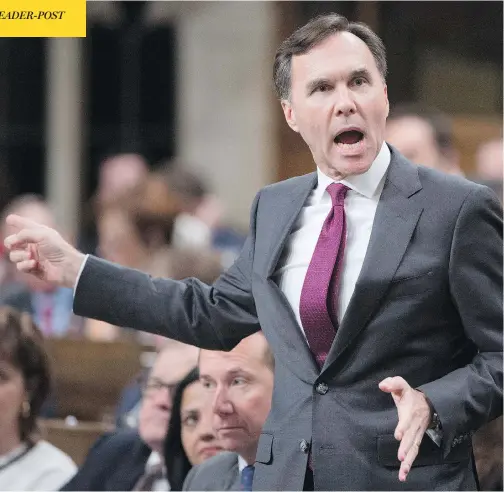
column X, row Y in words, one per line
column 304, row 446
column 322, row 388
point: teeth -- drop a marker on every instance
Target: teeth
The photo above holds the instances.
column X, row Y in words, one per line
column 347, row 145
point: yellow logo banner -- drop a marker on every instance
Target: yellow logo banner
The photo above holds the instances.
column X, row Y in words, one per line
column 42, row 18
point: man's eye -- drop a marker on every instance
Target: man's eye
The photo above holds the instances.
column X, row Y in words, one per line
column 359, row 81
column 239, row 381
column 191, row 421
column 206, row 384
column 322, row 88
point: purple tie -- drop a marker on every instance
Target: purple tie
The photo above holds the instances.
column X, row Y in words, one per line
column 319, row 298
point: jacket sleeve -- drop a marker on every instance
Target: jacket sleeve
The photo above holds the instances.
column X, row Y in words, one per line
column 212, row 317
column 88, row 477
column 470, row 396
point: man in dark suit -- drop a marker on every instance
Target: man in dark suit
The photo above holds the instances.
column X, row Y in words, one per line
column 377, row 282
column 241, row 382
column 133, row 459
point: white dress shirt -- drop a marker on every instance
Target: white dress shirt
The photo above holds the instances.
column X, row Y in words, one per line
column 361, row 202
column 154, row 460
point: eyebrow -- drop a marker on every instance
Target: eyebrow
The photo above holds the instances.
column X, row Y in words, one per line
column 361, row 72
column 313, row 84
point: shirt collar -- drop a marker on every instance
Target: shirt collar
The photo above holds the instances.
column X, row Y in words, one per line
column 154, row 460
column 366, row 184
column 242, row 463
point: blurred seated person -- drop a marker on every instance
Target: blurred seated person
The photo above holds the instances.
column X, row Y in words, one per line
column 423, row 135
column 26, row 461
column 136, row 230
column 489, row 166
column 118, row 174
column 125, row 459
column 201, row 222
column 51, row 307
column 130, row 400
column 241, row 384
column 191, row 438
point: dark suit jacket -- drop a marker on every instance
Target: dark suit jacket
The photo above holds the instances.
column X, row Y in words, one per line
column 221, row 472
column 427, row 306
column 115, row 462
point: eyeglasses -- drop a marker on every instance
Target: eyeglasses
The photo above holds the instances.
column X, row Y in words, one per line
column 154, row 385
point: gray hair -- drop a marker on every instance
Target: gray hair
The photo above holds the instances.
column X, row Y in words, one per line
column 312, row 34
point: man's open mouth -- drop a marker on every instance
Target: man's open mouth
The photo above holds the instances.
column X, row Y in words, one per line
column 349, row 137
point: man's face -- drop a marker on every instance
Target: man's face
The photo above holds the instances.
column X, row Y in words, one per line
column 171, row 365
column 242, row 385
column 338, row 104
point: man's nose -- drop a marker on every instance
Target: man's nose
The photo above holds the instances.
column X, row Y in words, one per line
column 163, row 399
column 344, row 104
column 221, row 403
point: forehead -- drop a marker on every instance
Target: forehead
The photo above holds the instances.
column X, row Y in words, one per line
column 219, row 364
column 338, row 54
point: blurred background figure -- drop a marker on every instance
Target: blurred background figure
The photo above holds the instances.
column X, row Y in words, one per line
column 200, row 224
column 191, row 438
column 118, row 174
column 122, row 460
column 137, row 230
column 50, row 307
column 488, row 168
column 423, row 135
column 489, row 160
column 26, row 461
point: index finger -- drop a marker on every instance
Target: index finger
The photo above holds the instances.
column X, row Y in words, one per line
column 19, row 222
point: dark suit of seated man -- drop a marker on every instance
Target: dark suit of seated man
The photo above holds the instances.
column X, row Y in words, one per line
column 115, row 462
column 242, row 383
column 127, row 459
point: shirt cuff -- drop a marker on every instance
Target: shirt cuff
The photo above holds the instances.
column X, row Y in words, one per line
column 79, row 274
column 435, row 435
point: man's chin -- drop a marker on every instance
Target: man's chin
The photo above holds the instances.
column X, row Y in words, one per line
column 231, row 438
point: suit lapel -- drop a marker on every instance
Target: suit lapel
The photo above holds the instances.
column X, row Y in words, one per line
column 294, row 349
column 396, row 217
column 287, row 208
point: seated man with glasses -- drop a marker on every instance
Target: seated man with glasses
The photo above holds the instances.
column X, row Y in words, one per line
column 132, row 459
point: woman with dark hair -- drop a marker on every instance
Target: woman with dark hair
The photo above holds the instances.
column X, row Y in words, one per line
column 190, row 439
column 26, row 462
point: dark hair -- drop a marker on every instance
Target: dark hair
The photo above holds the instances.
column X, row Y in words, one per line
column 22, row 345
column 176, row 460
column 439, row 122
column 312, row 34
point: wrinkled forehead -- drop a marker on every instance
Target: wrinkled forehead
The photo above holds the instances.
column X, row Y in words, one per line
column 338, row 54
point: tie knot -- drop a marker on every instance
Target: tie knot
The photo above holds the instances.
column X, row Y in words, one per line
column 338, row 192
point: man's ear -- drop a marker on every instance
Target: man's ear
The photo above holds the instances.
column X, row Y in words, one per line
column 290, row 116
